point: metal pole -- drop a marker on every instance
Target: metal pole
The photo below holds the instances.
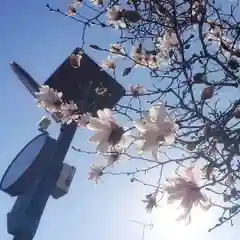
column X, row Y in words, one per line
column 40, row 193
column 25, row 78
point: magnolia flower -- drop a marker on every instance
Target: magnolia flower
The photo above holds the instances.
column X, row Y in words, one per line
column 114, row 15
column 96, row 171
column 137, row 54
column 186, row 190
column 167, row 42
column 150, row 202
column 48, row 98
column 109, row 64
column 136, row 90
column 69, row 112
column 116, row 50
column 155, row 129
column 155, row 61
column 214, row 34
column 196, row 9
column 108, row 133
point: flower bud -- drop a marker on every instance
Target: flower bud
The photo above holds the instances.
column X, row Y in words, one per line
column 75, row 60
column 208, row 92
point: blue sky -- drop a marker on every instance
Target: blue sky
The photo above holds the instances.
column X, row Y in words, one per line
column 39, row 41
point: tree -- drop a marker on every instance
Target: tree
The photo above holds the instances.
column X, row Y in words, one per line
column 187, row 115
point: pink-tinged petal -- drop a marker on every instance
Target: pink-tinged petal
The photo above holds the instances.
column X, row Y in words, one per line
column 102, row 116
column 146, row 117
column 108, row 113
column 157, row 113
column 205, row 206
column 170, row 189
column 139, row 143
column 103, row 146
column 125, row 141
column 175, row 127
column 187, row 202
column 180, row 182
column 188, row 219
column 174, row 197
column 169, row 127
column 189, row 172
column 181, row 217
column 95, row 125
column 203, row 198
column 155, row 152
column 141, row 127
column 149, row 145
column 170, row 138
column 98, row 137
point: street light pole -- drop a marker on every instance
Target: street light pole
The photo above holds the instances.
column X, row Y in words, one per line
column 54, row 176
column 25, row 78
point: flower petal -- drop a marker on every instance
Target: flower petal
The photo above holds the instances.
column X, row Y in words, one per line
column 155, row 152
column 140, row 143
column 125, row 141
column 170, row 138
column 108, row 113
column 103, row 146
column 141, row 126
column 189, row 172
column 157, row 113
column 174, row 197
column 95, row 124
column 146, row 117
column 98, row 137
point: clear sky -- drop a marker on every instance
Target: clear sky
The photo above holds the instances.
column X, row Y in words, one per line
column 39, row 41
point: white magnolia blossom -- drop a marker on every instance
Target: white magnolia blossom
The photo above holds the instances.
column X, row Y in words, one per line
column 186, row 190
column 143, row 58
column 95, row 173
column 109, row 64
column 214, row 34
column 157, row 128
column 196, row 9
column 150, row 201
column 167, row 42
column 137, row 54
column 108, row 133
column 117, row 51
column 48, row 98
column 114, row 15
column 136, row 90
column 70, row 113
